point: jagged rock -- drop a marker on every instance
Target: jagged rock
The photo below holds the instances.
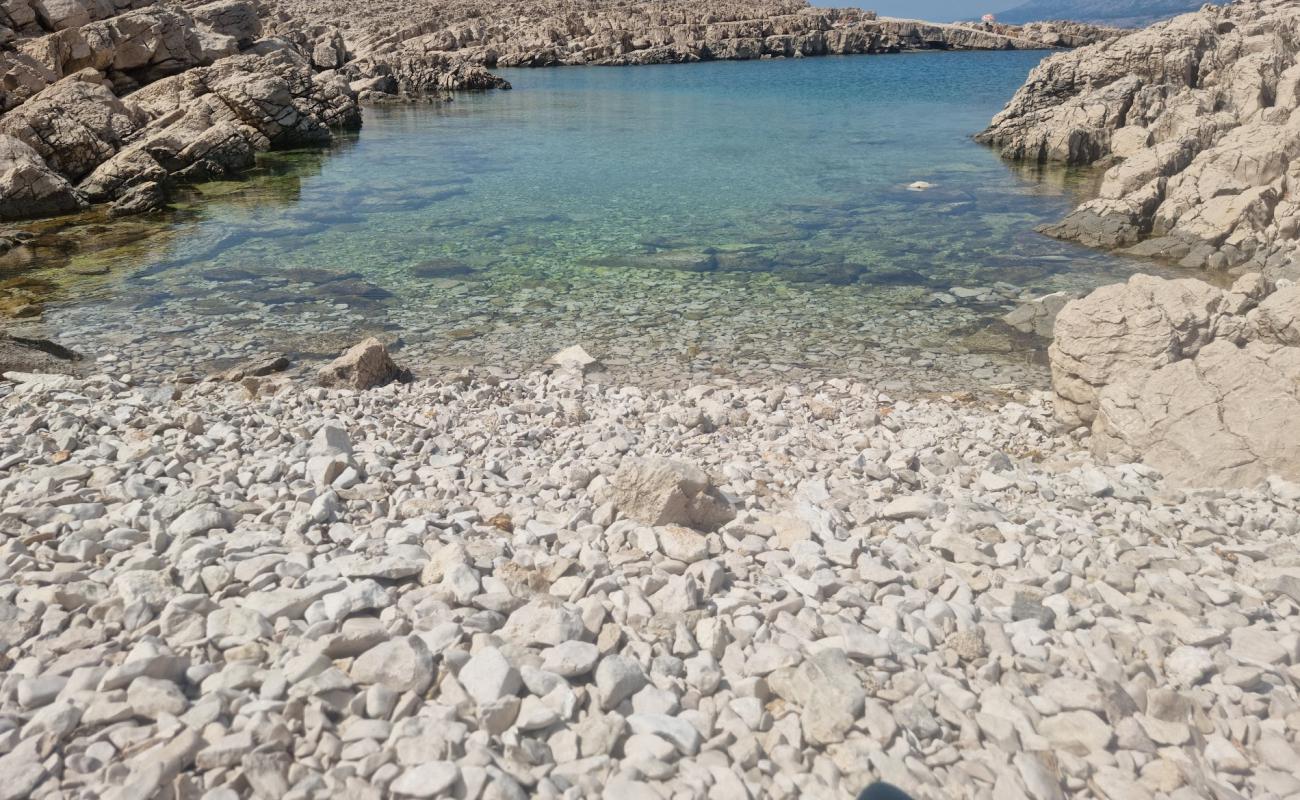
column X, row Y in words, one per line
column 140, row 199
column 148, row 43
column 234, row 18
column 28, row 187
column 210, row 121
column 329, row 51
column 74, row 124
column 1198, row 113
column 21, row 77
column 658, row 491
column 364, row 366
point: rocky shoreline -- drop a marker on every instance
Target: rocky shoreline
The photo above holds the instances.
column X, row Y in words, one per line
column 355, row 582
column 1195, row 120
column 162, row 95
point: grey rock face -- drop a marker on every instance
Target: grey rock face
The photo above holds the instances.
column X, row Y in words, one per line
column 71, row 92
column 1193, row 380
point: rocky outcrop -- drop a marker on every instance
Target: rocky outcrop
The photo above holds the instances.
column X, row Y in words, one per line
column 111, row 102
column 74, row 124
column 28, row 187
column 1053, row 33
column 1200, row 382
column 408, row 40
column 210, row 122
column 1195, row 119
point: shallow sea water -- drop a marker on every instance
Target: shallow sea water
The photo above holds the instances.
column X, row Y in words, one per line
column 576, row 209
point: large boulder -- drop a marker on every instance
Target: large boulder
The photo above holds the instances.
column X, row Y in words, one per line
column 1199, row 382
column 364, row 366
column 660, row 491
column 28, row 187
column 234, row 18
column 1137, row 326
column 1228, row 417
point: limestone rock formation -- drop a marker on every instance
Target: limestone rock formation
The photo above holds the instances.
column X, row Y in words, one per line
column 74, row 124
column 1195, row 120
column 210, row 122
column 411, row 43
column 1228, row 417
column 28, row 187
column 117, row 98
column 1199, row 382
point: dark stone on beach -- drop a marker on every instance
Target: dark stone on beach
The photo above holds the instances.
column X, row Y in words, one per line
column 1025, row 607
column 20, row 354
column 255, row 368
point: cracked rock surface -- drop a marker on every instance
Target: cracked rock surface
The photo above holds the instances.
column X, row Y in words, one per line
column 1197, row 381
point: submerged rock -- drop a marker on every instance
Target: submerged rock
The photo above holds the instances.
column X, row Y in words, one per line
column 19, row 354
column 1038, row 316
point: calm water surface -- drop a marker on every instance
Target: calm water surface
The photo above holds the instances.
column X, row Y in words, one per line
column 732, row 218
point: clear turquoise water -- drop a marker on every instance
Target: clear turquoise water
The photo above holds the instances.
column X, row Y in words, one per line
column 500, row 227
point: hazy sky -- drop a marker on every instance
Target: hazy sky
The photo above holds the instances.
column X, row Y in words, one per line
column 937, row 10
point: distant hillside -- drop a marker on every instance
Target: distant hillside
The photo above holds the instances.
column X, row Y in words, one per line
column 1120, row 13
